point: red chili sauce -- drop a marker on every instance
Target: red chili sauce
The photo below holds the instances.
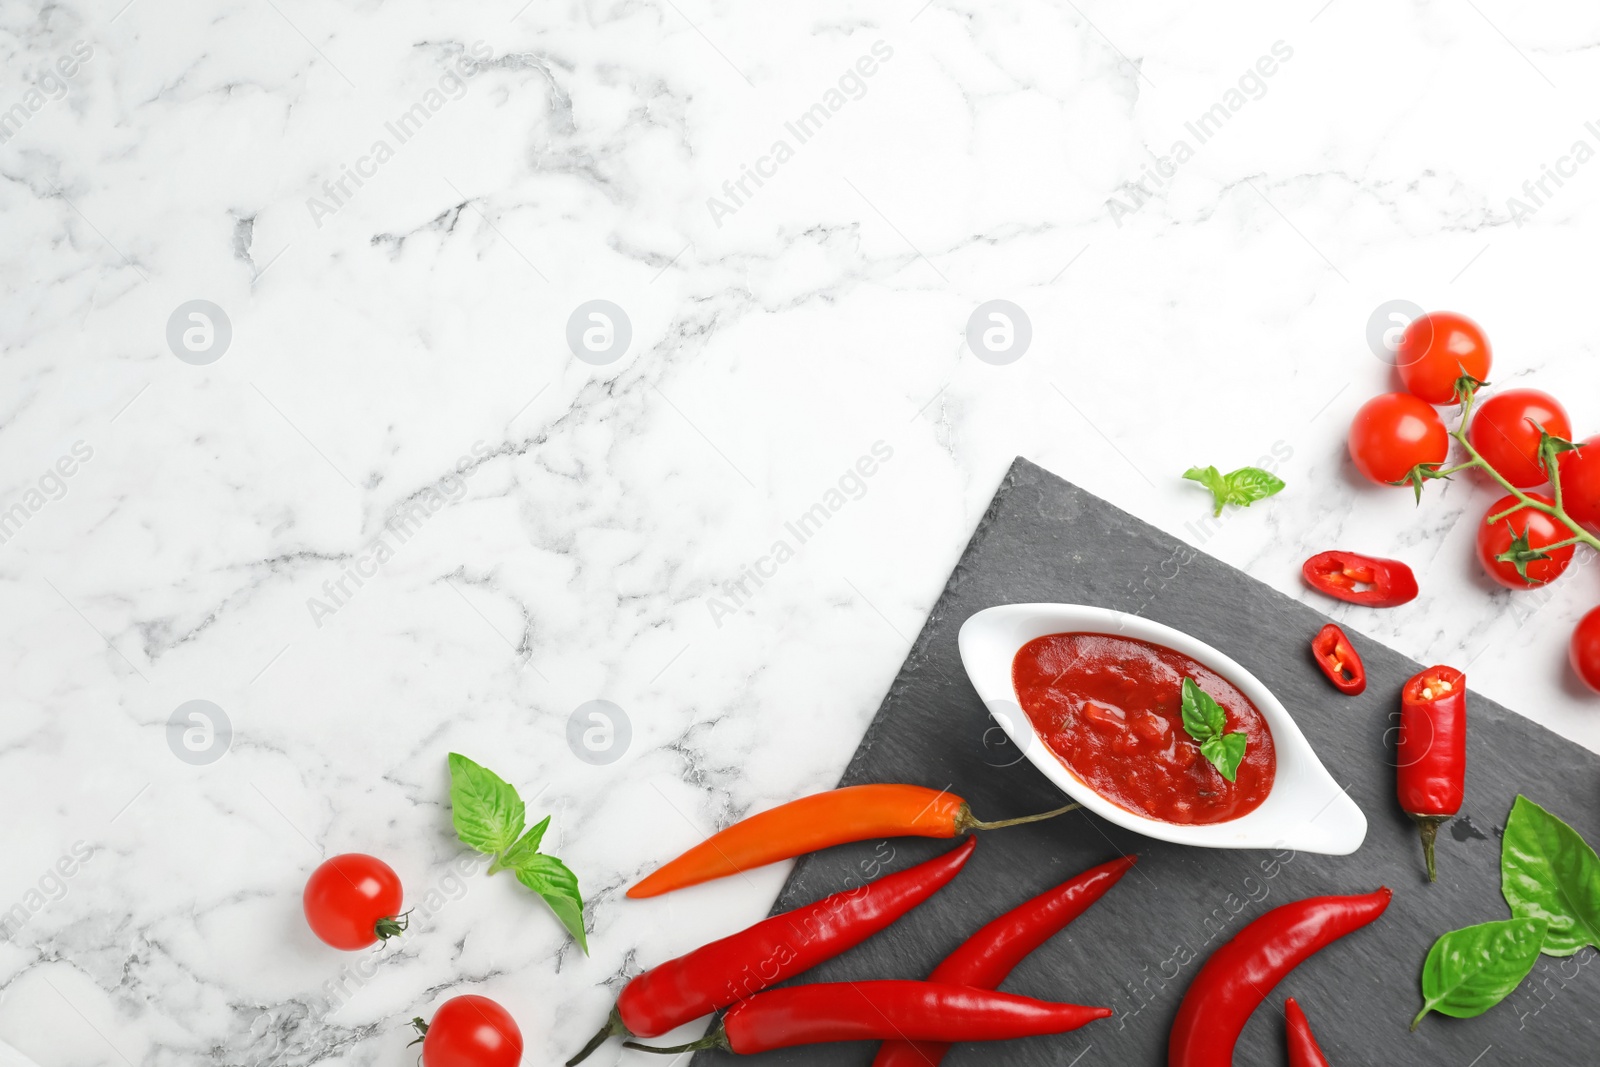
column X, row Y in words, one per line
column 1111, row 709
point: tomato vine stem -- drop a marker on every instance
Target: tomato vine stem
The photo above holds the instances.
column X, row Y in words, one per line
column 1552, row 468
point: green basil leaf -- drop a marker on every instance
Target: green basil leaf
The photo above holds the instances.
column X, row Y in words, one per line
column 1225, row 752
column 1469, row 971
column 527, row 845
column 486, row 810
column 1212, row 479
column 1548, row 872
column 1249, row 484
column 1202, row 716
column 551, row 879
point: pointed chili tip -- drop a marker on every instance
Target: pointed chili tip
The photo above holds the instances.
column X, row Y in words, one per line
column 651, row 885
column 1100, row 1013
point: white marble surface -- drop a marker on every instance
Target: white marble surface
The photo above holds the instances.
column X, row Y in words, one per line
column 383, row 338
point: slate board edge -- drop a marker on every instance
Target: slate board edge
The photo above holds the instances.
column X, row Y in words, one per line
column 1022, row 473
column 1012, row 479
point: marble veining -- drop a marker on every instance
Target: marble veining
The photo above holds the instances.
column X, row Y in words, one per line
column 399, row 510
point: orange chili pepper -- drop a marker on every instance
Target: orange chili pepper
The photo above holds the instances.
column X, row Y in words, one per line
column 854, row 813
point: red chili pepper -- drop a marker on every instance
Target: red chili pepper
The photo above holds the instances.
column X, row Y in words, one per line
column 985, row 959
column 1240, row 974
column 1358, row 579
column 855, row 813
column 1339, row 660
column 874, row 1011
column 1431, row 756
column 1303, row 1048
column 772, row 951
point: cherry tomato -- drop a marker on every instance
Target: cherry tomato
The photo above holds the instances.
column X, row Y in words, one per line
column 470, row 1031
column 1580, row 481
column 1504, row 433
column 1438, row 348
column 353, row 900
column 1525, row 530
column 1395, row 432
column 1586, row 649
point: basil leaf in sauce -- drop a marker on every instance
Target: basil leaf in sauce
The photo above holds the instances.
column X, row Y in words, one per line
column 1548, row 872
column 1205, row 722
column 1225, row 753
column 1469, row 971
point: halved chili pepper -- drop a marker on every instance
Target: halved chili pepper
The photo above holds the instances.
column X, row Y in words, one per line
column 874, row 1011
column 1240, row 974
column 1339, row 660
column 1303, row 1048
column 854, row 813
column 772, row 951
column 1431, row 756
column 985, row 959
column 1357, row 579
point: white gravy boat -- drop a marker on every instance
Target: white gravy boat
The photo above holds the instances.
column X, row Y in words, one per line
column 1306, row 810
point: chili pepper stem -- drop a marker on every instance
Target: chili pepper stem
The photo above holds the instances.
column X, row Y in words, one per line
column 717, row 1039
column 1429, row 825
column 614, row 1027
column 966, row 821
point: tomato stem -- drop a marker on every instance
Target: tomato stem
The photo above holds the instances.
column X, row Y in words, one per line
column 1562, row 544
column 1579, row 534
column 392, row 925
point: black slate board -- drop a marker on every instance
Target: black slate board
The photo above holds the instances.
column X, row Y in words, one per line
column 1044, row 539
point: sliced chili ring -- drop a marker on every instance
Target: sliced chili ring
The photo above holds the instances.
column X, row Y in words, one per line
column 1356, row 579
column 1339, row 660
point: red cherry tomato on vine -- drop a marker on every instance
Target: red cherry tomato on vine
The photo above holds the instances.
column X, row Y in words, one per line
column 1395, row 432
column 1586, row 649
column 470, row 1031
column 1437, row 349
column 1527, row 532
column 1504, row 433
column 1580, row 481
column 353, row 900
